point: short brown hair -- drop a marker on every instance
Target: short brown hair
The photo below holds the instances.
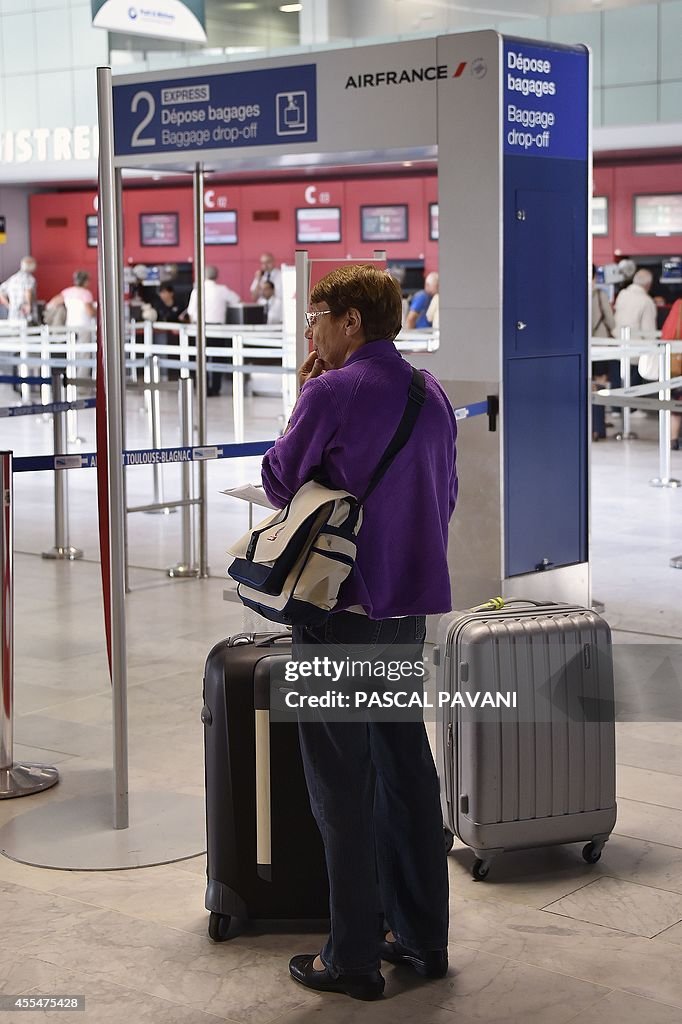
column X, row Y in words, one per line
column 372, row 292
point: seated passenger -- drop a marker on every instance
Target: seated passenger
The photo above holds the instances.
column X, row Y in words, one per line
column 420, row 303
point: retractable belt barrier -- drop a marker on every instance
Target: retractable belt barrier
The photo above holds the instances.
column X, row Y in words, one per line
column 6, row 378
column 36, row 410
column 185, row 453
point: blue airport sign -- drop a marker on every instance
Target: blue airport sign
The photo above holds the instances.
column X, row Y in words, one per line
column 268, row 107
column 545, row 101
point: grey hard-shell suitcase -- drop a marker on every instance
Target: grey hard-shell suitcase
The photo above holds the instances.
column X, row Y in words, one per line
column 540, row 773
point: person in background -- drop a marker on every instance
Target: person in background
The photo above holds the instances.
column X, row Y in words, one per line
column 433, row 312
column 78, row 301
column 603, row 326
column 165, row 309
column 266, row 272
column 417, row 318
column 18, row 292
column 18, row 296
column 635, row 308
column 217, row 297
column 672, row 331
column 272, row 303
column 165, row 306
column 373, row 785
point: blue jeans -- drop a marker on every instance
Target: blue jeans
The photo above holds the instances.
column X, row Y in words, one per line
column 375, row 796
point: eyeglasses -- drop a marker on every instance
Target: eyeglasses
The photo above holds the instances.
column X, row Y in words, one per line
column 311, row 318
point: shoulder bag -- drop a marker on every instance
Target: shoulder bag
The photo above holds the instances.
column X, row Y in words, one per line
column 290, row 567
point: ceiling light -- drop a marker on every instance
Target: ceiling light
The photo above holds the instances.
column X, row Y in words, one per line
column 246, row 6
column 290, row 8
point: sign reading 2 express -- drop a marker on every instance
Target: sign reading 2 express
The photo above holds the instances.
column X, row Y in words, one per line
column 545, row 101
column 275, row 106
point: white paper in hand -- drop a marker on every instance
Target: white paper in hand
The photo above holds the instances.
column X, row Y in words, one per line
column 249, row 492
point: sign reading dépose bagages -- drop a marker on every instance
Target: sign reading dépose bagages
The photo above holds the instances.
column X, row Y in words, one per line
column 274, row 106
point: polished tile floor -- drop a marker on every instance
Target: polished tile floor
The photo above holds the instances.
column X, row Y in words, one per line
column 545, row 940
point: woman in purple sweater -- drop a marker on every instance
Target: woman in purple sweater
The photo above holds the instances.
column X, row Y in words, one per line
column 372, row 784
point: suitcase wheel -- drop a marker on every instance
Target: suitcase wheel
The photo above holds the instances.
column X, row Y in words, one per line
column 592, row 853
column 218, row 926
column 479, row 869
column 449, row 839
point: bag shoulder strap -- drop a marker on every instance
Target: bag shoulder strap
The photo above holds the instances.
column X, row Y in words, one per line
column 416, row 396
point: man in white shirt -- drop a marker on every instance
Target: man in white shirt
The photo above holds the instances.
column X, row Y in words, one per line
column 272, row 303
column 266, row 272
column 217, row 297
column 635, row 308
column 18, row 292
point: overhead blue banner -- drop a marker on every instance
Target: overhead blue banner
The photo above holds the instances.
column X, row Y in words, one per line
column 545, row 101
column 274, row 106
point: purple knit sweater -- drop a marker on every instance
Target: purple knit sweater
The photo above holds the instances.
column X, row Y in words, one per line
column 342, row 424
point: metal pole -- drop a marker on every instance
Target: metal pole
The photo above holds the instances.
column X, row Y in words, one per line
column 152, row 373
column 109, row 262
column 186, row 568
column 118, row 182
column 62, row 550
column 199, row 269
column 15, row 779
column 45, row 362
column 664, row 479
column 71, row 389
column 238, row 388
column 23, row 367
column 625, row 367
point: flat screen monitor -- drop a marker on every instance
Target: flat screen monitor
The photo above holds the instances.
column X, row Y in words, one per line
column 383, row 223
column 600, row 215
column 159, row 229
column 91, row 231
column 658, row 215
column 671, row 271
column 318, row 224
column 433, row 222
column 220, row 227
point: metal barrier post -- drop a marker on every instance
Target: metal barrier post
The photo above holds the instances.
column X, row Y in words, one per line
column 15, row 779
column 185, row 568
column 625, row 368
column 45, row 364
column 238, row 388
column 112, row 341
column 62, row 550
column 664, row 479
column 22, row 370
column 71, row 390
column 152, row 372
column 199, row 265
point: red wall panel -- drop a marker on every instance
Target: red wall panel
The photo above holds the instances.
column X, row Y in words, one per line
column 631, row 181
column 266, row 221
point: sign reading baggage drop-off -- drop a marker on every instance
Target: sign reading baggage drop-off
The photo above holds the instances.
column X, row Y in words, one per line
column 545, row 101
column 273, row 106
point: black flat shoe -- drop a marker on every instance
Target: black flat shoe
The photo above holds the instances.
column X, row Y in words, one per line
column 357, row 986
column 432, row 963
